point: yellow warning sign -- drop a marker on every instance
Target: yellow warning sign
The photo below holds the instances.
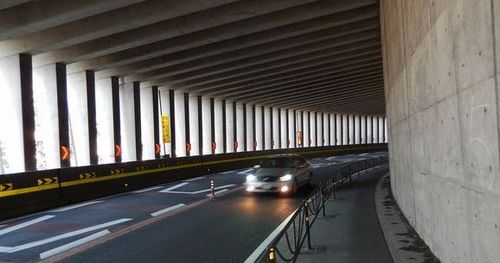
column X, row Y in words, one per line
column 165, row 125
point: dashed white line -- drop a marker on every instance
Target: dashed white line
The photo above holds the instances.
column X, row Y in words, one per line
column 67, row 208
column 62, row 236
column 25, row 224
column 218, row 192
column 168, row 209
column 260, row 249
column 363, row 154
column 73, row 244
column 146, row 190
column 173, row 187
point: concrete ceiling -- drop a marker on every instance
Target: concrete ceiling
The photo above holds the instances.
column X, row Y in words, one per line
column 302, row 54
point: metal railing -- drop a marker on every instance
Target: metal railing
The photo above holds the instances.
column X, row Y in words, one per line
column 296, row 232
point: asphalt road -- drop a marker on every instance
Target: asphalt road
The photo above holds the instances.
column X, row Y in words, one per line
column 225, row 229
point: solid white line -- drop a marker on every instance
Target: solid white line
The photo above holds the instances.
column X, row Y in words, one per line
column 67, row 208
column 228, row 172
column 173, row 187
column 200, row 191
column 168, row 209
column 363, row 154
column 246, row 171
column 62, row 236
column 25, row 224
column 218, row 192
column 260, row 249
column 195, row 179
column 73, row 244
column 146, row 190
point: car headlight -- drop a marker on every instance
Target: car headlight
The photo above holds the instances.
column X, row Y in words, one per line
column 286, row 177
column 251, row 178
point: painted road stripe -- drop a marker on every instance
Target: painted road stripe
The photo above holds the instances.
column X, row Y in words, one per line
column 62, row 236
column 25, row 224
column 363, row 154
column 173, row 187
column 218, row 192
column 168, row 209
column 228, row 172
column 195, row 179
column 260, row 249
column 73, row 244
column 200, row 191
column 246, row 171
column 146, row 190
column 67, row 208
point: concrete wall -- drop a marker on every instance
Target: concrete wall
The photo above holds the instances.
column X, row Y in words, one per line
column 440, row 63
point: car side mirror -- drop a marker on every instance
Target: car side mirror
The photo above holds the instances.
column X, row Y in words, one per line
column 257, row 166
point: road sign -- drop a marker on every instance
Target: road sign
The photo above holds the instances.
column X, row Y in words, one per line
column 165, row 125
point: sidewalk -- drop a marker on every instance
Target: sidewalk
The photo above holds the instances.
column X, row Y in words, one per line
column 351, row 231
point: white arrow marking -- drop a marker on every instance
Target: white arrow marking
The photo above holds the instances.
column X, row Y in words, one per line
column 168, row 209
column 67, row 208
column 25, row 224
column 173, row 187
column 62, row 236
column 73, row 244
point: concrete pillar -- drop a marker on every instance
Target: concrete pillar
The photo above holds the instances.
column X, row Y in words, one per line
column 194, row 127
column 306, row 141
column 219, row 120
column 187, row 125
column 156, row 121
column 78, row 109
column 230, row 126
column 45, row 101
column 207, row 126
column 363, row 129
column 164, row 104
column 267, row 129
column 17, row 141
column 250, row 127
column 326, row 129
column 333, row 133
column 351, row 128
column 258, row 127
column 147, row 124
column 179, row 124
column 127, row 122
column 375, row 129
column 284, row 131
column 104, row 113
column 240, row 126
column 276, row 125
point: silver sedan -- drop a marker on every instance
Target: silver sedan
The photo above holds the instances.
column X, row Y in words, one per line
column 280, row 173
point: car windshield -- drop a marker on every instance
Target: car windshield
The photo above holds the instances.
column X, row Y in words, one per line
column 277, row 163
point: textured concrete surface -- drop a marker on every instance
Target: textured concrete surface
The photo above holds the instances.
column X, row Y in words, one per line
column 440, row 67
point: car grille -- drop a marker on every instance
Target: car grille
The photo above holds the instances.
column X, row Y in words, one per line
column 268, row 178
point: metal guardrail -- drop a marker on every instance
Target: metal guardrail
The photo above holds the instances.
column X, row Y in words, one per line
column 288, row 244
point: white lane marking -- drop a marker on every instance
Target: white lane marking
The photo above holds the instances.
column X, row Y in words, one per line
column 246, row 171
column 260, row 249
column 173, row 187
column 25, row 224
column 71, row 207
column 363, row 154
column 200, row 191
column 73, row 244
column 228, row 172
column 218, row 192
column 62, row 236
column 2, row 225
column 146, row 189
column 195, row 179
column 168, row 209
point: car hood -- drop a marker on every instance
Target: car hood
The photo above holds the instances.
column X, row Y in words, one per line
column 272, row 171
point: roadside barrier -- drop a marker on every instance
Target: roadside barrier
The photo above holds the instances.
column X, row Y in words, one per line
column 288, row 244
